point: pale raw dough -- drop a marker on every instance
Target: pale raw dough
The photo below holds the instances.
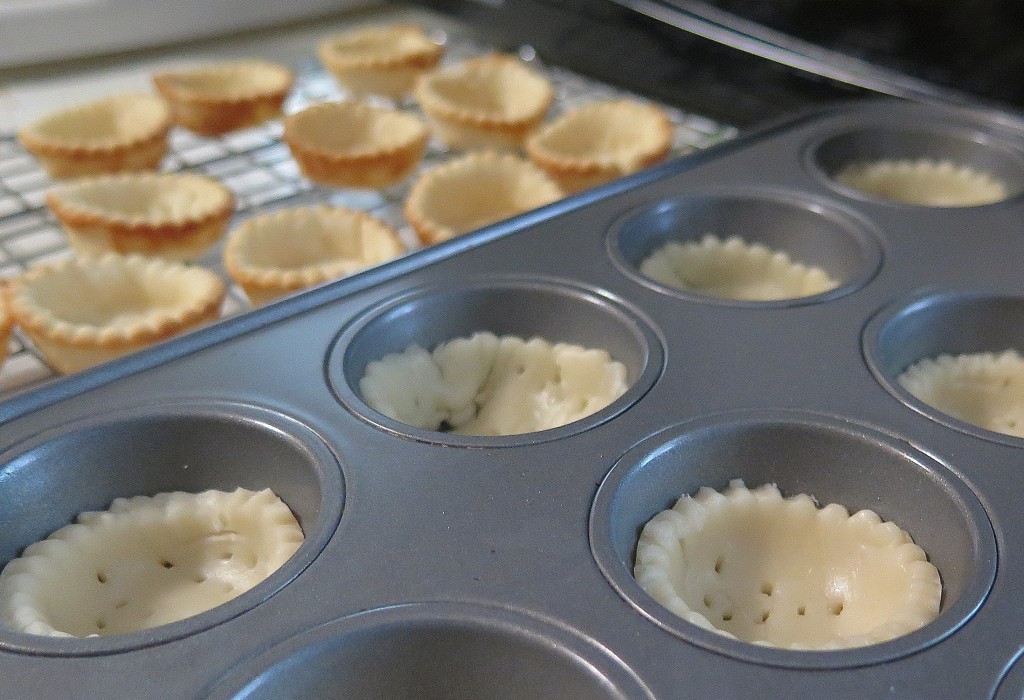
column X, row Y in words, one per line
column 925, row 182
column 985, row 389
column 147, row 561
column 782, row 572
column 486, row 385
column 734, row 269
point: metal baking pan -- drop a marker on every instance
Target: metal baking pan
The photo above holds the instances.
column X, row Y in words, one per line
column 442, row 566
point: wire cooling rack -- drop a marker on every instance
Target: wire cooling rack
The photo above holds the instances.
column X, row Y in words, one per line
column 257, row 166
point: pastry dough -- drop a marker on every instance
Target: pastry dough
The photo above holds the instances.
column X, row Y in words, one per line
column 926, row 182
column 734, row 269
column 782, row 572
column 486, row 385
column 985, row 389
column 147, row 561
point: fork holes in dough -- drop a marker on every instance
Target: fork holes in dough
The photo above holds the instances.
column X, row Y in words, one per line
column 802, row 610
column 767, row 589
column 719, row 563
column 101, row 577
column 166, row 564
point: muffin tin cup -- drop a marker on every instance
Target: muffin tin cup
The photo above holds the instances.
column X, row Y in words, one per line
column 811, row 230
column 832, row 459
column 964, row 143
column 952, row 322
column 524, row 306
column 187, row 447
column 435, row 651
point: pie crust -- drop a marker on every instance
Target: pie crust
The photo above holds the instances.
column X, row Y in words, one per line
column 477, row 189
column 599, row 142
column 379, row 60
column 491, row 101
column 734, row 269
column 354, row 144
column 122, row 133
column 783, row 572
column 173, row 216
column 924, row 182
column 147, row 561
column 83, row 311
column 291, row 249
column 222, row 97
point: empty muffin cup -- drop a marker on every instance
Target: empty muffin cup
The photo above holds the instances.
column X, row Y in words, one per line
column 746, row 247
column 178, row 449
column 954, row 357
column 940, row 167
column 517, row 326
column 435, row 651
column 828, row 461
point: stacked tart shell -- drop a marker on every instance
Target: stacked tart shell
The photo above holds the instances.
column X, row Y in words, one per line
column 384, row 60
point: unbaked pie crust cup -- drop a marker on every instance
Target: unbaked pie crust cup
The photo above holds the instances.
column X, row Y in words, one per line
column 481, row 361
column 292, row 249
column 82, row 311
column 173, row 216
column 770, row 576
column 197, row 453
column 379, row 60
column 123, row 133
column 599, row 142
column 147, row 561
column 222, row 97
column 734, row 269
column 354, row 144
column 785, row 572
column 473, row 191
column 925, row 182
column 491, row 101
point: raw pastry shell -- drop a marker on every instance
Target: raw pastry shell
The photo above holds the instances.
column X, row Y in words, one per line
column 599, row 142
column 223, row 97
column 353, row 144
column 885, row 590
column 291, row 249
column 103, row 566
column 123, row 133
column 382, row 60
column 174, row 216
column 83, row 311
column 734, row 269
column 924, row 182
column 985, row 389
column 491, row 101
column 473, row 191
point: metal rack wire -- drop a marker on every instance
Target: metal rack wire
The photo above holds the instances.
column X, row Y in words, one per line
column 257, row 166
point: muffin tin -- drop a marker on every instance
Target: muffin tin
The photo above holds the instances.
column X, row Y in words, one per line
column 442, row 566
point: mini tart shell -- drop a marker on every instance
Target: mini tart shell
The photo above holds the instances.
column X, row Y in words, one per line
column 475, row 190
column 123, row 133
column 985, row 389
column 782, row 571
column 223, row 97
column 72, row 309
column 599, row 142
column 734, row 269
column 353, row 144
column 491, row 101
column 6, row 322
column 173, row 216
column 147, row 561
column 384, row 60
column 291, row 249
column 924, row 182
